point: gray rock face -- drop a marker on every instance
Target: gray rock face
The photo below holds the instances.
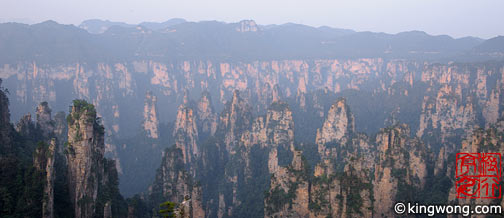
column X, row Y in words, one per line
column 235, row 119
column 186, row 134
column 88, row 170
column 43, row 161
column 151, row 121
column 44, row 120
column 207, row 118
column 61, row 130
column 402, row 161
column 25, row 126
column 336, row 128
column 173, row 183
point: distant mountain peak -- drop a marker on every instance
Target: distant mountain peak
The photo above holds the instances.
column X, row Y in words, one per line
column 163, row 25
column 493, row 45
column 247, row 26
column 414, row 33
column 49, row 22
column 97, row 26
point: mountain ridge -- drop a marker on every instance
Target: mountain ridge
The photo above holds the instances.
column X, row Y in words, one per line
column 245, row 40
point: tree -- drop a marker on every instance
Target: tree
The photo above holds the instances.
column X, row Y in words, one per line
column 169, row 211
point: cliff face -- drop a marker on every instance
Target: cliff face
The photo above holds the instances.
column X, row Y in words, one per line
column 342, row 193
column 341, row 184
column 151, row 122
column 401, row 167
column 279, row 133
column 61, row 130
column 89, row 173
column 337, row 128
column 446, row 112
column 273, row 132
column 231, row 163
column 462, row 101
column 227, row 158
column 253, row 137
column 44, row 161
column 234, row 120
column 446, row 88
column 438, row 101
column 85, row 150
column 355, row 177
column 207, row 118
column 336, row 187
column 44, row 120
column 279, row 125
column 26, row 127
column 185, row 133
column 173, row 183
column 289, row 190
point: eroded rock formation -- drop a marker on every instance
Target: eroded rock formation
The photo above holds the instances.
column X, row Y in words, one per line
column 151, row 122
column 90, row 175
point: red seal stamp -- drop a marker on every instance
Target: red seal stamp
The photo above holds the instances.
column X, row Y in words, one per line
column 478, row 175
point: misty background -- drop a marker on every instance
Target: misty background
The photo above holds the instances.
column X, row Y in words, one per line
column 457, row 18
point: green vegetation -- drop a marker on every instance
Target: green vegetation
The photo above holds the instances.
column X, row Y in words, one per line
column 140, row 209
column 21, row 189
column 252, row 193
column 318, row 200
column 109, row 192
column 277, row 198
column 21, row 183
column 310, row 152
column 80, row 108
column 168, row 209
column 353, row 186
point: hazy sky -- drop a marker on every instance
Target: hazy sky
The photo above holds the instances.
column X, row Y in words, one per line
column 458, row 18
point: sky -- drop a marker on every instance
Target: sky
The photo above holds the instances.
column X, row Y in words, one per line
column 457, row 18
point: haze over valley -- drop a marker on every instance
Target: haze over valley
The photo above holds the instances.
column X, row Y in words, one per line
column 239, row 119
